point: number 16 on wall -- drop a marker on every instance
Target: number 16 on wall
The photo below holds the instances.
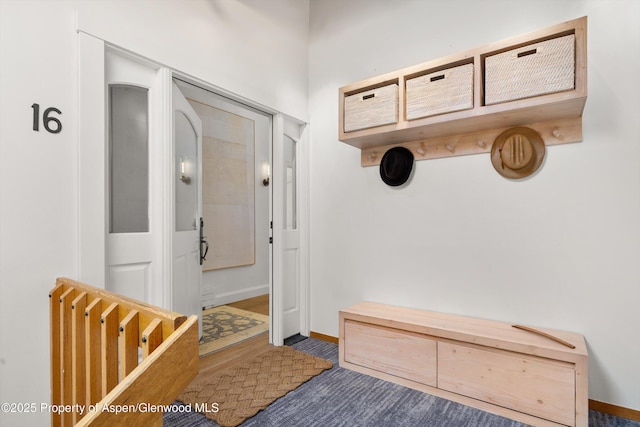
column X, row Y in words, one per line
column 51, row 124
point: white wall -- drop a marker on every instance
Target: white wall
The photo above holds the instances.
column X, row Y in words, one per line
column 38, row 211
column 254, row 49
column 560, row 249
column 250, row 48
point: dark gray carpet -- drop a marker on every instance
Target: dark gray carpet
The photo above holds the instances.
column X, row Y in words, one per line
column 339, row 397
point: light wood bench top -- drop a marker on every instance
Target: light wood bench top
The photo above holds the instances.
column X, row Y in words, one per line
column 483, row 332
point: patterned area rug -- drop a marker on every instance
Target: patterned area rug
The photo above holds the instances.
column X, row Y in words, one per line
column 223, row 326
column 241, row 392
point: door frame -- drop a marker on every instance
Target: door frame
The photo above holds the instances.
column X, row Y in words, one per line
column 258, row 273
column 92, row 167
column 92, row 195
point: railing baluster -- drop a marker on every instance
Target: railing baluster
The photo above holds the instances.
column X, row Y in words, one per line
column 65, row 354
column 94, row 346
column 151, row 337
column 110, row 319
column 78, row 355
column 129, row 343
column 54, row 330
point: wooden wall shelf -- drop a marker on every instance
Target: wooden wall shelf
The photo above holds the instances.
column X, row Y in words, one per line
column 556, row 116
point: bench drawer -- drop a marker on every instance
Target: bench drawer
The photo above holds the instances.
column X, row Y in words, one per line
column 401, row 353
column 529, row 384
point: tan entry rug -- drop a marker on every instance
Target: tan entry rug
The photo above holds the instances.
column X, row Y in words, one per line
column 224, row 325
column 242, row 391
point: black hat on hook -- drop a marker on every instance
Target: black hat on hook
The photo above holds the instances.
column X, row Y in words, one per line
column 396, row 165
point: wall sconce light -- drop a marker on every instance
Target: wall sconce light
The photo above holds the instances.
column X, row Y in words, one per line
column 183, row 176
column 266, row 173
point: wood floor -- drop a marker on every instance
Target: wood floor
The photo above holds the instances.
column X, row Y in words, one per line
column 259, row 304
column 229, row 356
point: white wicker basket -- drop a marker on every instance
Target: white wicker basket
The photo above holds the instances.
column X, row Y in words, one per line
column 441, row 92
column 375, row 107
column 532, row 70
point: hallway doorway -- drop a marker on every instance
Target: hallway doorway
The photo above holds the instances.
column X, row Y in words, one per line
column 267, row 273
column 236, row 213
column 234, row 323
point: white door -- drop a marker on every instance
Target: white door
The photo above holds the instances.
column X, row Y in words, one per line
column 290, row 235
column 187, row 202
column 133, row 179
column 290, row 228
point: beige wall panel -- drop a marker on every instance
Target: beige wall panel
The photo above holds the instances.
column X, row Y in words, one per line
column 228, row 191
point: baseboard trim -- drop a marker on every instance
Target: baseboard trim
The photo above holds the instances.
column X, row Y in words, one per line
column 618, row 411
column 211, row 299
column 607, row 408
column 323, row 337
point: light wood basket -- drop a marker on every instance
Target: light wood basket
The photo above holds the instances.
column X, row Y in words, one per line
column 440, row 92
column 374, row 107
column 535, row 69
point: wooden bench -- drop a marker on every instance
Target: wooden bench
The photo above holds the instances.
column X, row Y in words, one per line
column 97, row 340
column 490, row 365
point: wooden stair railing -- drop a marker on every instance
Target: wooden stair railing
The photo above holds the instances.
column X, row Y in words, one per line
column 97, row 340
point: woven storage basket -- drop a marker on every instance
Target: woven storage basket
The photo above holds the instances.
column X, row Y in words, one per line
column 532, row 70
column 442, row 92
column 375, row 107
